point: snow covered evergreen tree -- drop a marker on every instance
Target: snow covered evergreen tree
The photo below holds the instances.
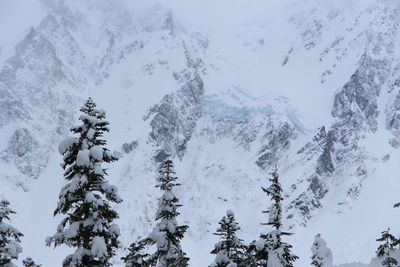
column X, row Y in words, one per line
column 384, row 251
column 9, row 237
column 85, row 199
column 167, row 234
column 137, row 257
column 230, row 251
column 28, row 262
column 321, row 254
column 271, row 250
column 252, row 254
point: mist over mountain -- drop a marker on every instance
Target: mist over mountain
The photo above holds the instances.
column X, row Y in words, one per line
column 229, row 89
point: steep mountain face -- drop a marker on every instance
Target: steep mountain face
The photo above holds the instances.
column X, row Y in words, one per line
column 32, row 107
column 174, row 118
column 355, row 111
column 313, row 91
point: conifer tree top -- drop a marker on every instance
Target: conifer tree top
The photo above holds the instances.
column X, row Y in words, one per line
column 321, row 254
column 274, row 191
column 387, row 236
column 388, row 244
column 85, row 199
column 271, row 250
column 5, row 211
column 230, row 249
column 167, row 233
column 228, row 224
column 166, row 179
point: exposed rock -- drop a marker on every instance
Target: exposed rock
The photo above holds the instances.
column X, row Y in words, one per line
column 304, row 205
column 67, row 48
column 113, row 50
column 30, row 95
column 26, row 153
column 324, row 162
column 321, row 148
column 357, row 101
column 393, row 120
column 276, row 140
column 174, row 118
column 11, row 108
column 336, row 153
column 129, row 147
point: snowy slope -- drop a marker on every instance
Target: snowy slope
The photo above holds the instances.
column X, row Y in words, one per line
column 229, row 89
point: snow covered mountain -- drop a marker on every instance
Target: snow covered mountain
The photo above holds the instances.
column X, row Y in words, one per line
column 229, row 89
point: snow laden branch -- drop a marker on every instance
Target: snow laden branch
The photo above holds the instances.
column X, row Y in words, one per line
column 137, row 256
column 10, row 246
column 28, row 262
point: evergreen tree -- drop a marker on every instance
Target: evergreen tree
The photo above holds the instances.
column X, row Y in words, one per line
column 251, row 255
column 321, row 254
column 231, row 249
column 28, row 262
column 167, row 234
column 271, row 250
column 137, row 257
column 85, row 199
column 9, row 237
column 384, row 251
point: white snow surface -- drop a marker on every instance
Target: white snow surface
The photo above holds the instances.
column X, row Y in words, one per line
column 96, row 152
column 99, row 247
column 82, row 158
column 242, row 45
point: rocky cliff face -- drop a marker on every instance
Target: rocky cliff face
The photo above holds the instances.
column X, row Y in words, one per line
column 339, row 151
column 174, row 119
column 39, row 84
column 227, row 117
column 36, row 103
column 42, row 85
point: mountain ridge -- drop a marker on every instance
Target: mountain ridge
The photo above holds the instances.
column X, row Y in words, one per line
column 224, row 103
